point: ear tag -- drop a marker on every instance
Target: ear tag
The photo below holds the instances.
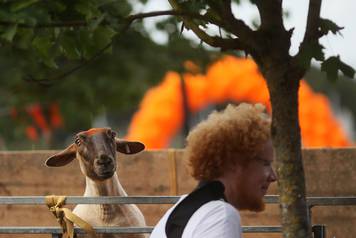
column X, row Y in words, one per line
column 127, row 149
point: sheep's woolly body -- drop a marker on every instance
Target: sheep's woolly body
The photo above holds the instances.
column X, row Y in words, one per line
column 236, row 133
column 108, row 214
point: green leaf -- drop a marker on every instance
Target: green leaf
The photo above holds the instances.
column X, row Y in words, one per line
column 96, row 22
column 333, row 64
column 24, row 38
column 347, row 70
column 193, row 6
column 316, row 51
column 217, row 6
column 21, row 4
column 57, row 6
column 330, row 66
column 56, row 32
column 10, row 33
column 211, row 13
column 103, row 35
column 49, row 62
column 87, row 9
column 104, row 2
column 69, row 46
column 43, row 46
column 309, row 51
column 86, row 43
column 326, row 25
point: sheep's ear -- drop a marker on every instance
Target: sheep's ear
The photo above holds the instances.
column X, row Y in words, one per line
column 62, row 158
column 129, row 147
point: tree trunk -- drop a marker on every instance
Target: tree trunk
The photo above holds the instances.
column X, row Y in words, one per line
column 283, row 87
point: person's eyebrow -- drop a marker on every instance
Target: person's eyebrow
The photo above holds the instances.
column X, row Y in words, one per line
column 263, row 160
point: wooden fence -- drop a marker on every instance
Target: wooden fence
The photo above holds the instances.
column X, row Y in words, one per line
column 329, row 173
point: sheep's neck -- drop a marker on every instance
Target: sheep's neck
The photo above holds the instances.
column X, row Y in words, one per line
column 109, row 187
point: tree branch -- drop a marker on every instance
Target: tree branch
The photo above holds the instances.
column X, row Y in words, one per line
column 46, row 25
column 195, row 28
column 312, row 33
column 313, row 21
column 228, row 44
column 239, row 28
column 224, row 44
column 270, row 14
column 49, row 81
column 214, row 41
column 129, row 19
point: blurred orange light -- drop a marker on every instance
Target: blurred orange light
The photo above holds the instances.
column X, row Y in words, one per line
column 160, row 115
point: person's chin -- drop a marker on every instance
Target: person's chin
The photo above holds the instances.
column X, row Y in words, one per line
column 257, row 205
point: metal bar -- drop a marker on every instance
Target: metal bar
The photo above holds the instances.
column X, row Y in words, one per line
column 270, row 199
column 119, row 230
column 262, row 229
column 58, row 230
column 40, row 200
column 331, row 201
column 319, row 231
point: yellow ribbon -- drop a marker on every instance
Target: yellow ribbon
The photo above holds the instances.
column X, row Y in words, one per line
column 65, row 217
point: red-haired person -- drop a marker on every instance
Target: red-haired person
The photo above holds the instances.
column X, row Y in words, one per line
column 231, row 155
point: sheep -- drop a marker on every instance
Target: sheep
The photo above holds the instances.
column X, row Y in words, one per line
column 96, row 151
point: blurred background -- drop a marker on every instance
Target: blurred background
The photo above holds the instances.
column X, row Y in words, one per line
column 154, row 83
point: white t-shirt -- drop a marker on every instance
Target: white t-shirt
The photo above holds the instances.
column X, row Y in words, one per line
column 215, row 219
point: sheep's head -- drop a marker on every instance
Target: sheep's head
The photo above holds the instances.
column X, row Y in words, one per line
column 96, row 151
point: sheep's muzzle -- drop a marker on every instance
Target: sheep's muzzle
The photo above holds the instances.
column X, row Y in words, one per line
column 104, row 166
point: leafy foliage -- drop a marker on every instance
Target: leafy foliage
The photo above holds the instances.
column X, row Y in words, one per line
column 53, row 30
column 311, row 50
column 327, row 26
column 111, row 83
column 332, row 66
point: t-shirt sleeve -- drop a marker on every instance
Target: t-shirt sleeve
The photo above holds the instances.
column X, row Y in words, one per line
column 222, row 221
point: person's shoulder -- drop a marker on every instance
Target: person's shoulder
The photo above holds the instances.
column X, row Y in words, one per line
column 216, row 211
column 220, row 206
column 215, row 219
column 159, row 229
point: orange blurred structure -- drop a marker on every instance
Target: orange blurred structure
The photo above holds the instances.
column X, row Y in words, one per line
column 161, row 112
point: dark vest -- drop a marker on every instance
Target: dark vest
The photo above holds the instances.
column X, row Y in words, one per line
column 204, row 193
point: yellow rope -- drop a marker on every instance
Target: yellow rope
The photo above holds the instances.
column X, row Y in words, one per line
column 65, row 217
column 173, row 166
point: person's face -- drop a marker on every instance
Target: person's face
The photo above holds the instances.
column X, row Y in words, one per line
column 250, row 182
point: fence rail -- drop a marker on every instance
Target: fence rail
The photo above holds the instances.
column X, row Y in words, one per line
column 119, row 230
column 319, row 230
column 269, row 199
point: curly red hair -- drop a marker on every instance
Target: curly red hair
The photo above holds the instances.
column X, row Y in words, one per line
column 232, row 136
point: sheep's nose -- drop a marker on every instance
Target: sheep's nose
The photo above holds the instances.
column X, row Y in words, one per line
column 104, row 160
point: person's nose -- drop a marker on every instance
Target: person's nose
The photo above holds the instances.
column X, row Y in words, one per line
column 272, row 176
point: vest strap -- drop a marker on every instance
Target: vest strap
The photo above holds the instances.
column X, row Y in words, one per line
column 204, row 193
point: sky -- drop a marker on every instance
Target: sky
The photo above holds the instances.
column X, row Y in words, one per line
column 341, row 12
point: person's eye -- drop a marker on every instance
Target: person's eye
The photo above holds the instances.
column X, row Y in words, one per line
column 266, row 163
